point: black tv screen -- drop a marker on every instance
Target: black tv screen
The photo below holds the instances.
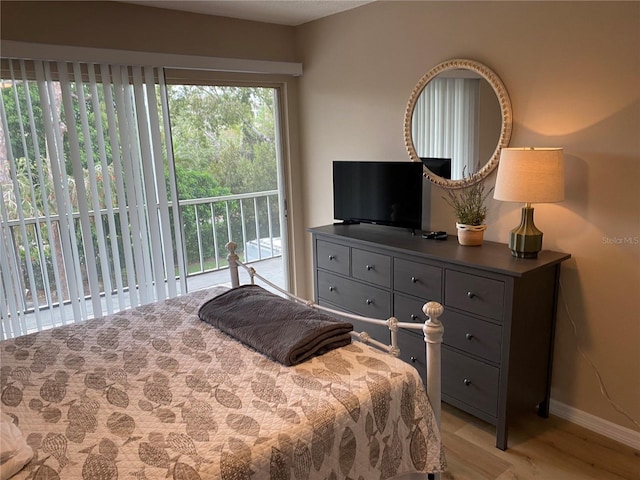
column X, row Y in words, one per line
column 438, row 166
column 385, row 193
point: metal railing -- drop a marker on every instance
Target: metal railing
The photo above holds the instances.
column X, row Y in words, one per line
column 251, row 220
column 258, row 234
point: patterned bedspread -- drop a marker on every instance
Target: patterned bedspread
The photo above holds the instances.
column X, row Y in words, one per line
column 154, row 392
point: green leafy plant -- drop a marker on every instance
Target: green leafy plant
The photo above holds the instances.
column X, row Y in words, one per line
column 468, row 202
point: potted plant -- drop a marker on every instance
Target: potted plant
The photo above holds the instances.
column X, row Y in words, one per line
column 470, row 210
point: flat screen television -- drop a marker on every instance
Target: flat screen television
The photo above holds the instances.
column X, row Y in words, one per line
column 439, row 166
column 383, row 193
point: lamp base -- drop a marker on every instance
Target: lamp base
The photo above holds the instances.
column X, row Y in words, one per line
column 525, row 241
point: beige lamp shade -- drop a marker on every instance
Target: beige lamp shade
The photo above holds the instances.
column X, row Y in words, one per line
column 530, row 175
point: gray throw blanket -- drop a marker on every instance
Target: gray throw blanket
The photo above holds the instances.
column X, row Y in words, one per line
column 283, row 330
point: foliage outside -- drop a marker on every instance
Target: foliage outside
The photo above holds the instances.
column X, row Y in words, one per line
column 224, row 143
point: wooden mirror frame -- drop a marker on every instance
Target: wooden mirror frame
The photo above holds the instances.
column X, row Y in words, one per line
column 505, row 109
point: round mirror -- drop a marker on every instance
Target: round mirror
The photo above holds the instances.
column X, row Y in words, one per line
column 457, row 120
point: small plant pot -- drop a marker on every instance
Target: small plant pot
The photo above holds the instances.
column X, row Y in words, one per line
column 470, row 235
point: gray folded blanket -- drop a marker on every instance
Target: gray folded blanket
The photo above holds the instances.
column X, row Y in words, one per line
column 283, row 330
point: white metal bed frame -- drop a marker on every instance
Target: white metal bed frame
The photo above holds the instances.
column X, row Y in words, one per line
column 432, row 329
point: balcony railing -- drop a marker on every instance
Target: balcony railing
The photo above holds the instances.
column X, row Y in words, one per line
column 251, row 220
column 258, row 237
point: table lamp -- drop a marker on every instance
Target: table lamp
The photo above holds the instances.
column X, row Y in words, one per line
column 529, row 175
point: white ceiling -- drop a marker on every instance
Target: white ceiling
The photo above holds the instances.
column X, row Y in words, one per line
column 282, row 12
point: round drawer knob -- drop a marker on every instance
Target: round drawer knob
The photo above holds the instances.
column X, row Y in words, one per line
column 332, row 288
column 414, row 280
column 468, row 336
column 332, row 257
column 368, row 301
column 467, row 382
column 369, row 267
column 471, row 294
column 414, row 317
column 413, row 359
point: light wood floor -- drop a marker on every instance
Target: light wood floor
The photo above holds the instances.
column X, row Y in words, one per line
column 552, row 449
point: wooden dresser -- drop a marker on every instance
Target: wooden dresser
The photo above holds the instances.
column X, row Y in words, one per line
column 499, row 310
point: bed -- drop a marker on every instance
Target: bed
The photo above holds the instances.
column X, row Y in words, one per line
column 155, row 392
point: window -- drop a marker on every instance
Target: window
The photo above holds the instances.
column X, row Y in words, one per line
column 86, row 177
column 99, row 213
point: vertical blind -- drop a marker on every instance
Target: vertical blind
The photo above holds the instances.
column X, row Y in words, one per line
column 445, row 123
column 89, row 206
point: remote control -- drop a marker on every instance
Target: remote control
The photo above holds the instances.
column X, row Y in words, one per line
column 439, row 235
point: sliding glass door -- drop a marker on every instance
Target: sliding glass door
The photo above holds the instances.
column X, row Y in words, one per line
column 226, row 150
column 110, row 202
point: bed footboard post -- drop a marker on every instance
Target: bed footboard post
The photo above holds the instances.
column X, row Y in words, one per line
column 232, row 258
column 433, row 332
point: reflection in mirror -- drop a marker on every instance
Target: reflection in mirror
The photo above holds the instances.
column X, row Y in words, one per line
column 456, row 124
column 438, row 166
column 457, row 120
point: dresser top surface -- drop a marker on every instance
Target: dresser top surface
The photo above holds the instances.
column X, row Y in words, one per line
column 490, row 256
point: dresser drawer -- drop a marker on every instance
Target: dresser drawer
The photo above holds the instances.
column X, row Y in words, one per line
column 378, row 332
column 353, row 296
column 408, row 309
column 413, row 351
column 471, row 335
column 371, row 267
column 332, row 256
column 474, row 294
column 470, row 381
column 418, row 279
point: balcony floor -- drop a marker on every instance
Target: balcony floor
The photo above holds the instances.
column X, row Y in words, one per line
column 272, row 269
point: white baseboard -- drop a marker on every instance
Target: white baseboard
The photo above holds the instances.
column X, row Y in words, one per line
column 596, row 424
